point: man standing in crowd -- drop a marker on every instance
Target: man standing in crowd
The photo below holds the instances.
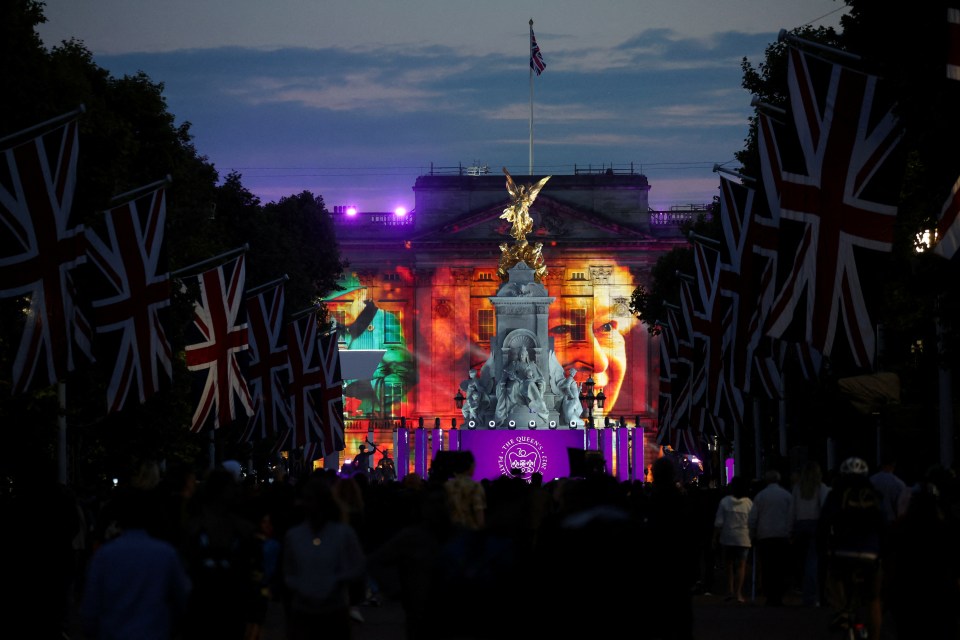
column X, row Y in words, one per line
column 770, row 527
column 892, row 489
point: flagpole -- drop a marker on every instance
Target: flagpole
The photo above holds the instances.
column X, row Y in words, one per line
column 199, row 266
column 790, row 38
column 36, row 130
column 136, row 193
column 267, row 285
column 299, row 314
column 746, row 179
column 530, row 171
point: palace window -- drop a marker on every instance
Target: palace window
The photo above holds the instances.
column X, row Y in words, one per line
column 485, row 276
column 577, row 275
column 392, row 398
column 484, row 325
column 578, row 324
column 392, row 331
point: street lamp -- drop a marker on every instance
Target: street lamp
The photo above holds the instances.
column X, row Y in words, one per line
column 459, row 398
column 588, row 399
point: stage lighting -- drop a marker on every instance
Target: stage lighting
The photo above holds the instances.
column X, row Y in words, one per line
column 573, row 424
column 351, row 211
column 553, row 424
column 472, row 424
column 532, row 424
column 491, row 424
column 400, row 212
column 512, row 424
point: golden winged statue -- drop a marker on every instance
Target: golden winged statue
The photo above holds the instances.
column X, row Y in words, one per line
column 518, row 213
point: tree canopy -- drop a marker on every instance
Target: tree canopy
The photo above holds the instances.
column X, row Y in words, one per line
column 129, row 139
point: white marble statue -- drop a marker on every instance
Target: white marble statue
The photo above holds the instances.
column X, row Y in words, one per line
column 522, row 384
column 475, row 404
column 570, row 407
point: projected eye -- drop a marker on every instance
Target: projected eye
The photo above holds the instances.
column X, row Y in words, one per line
column 561, row 329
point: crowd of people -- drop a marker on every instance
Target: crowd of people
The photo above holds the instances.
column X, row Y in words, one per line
column 865, row 543
column 177, row 554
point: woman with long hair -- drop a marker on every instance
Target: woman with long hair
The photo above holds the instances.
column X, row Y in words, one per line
column 809, row 494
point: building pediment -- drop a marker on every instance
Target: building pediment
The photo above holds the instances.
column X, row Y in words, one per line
column 552, row 220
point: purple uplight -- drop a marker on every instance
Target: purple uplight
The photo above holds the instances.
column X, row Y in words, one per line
column 351, row 211
column 400, row 212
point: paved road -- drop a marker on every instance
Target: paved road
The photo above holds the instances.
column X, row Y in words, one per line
column 714, row 619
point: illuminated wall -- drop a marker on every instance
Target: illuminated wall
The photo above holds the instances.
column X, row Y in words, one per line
column 590, row 324
column 429, row 275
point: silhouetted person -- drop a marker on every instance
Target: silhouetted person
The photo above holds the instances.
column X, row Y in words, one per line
column 809, row 495
column 922, row 568
column 852, row 527
column 892, row 488
column 732, row 534
column 770, row 526
column 321, row 559
column 41, row 520
column 136, row 585
column 669, row 519
column 406, row 566
column 223, row 558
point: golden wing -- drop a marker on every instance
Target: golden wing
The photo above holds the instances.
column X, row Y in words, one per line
column 535, row 189
column 511, row 186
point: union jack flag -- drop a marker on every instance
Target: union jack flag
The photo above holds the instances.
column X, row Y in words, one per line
column 843, row 201
column 316, row 386
column 282, row 443
column 688, row 375
column 136, row 288
column 749, row 271
column 536, row 58
column 769, row 365
column 311, row 452
column 219, row 352
column 711, row 323
column 780, row 154
column 39, row 249
column 269, row 366
column 948, row 225
column 665, row 397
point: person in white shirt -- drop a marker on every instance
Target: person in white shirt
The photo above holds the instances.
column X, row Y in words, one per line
column 770, row 527
column 732, row 533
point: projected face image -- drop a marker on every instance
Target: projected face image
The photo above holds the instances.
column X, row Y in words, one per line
column 603, row 354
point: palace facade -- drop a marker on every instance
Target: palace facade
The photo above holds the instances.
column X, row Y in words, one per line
column 419, row 284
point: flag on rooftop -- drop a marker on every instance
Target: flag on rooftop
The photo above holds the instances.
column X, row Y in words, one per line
column 536, row 58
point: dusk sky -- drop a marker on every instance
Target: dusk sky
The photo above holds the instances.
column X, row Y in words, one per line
column 353, row 100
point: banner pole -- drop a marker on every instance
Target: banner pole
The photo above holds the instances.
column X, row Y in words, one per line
column 530, row 46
